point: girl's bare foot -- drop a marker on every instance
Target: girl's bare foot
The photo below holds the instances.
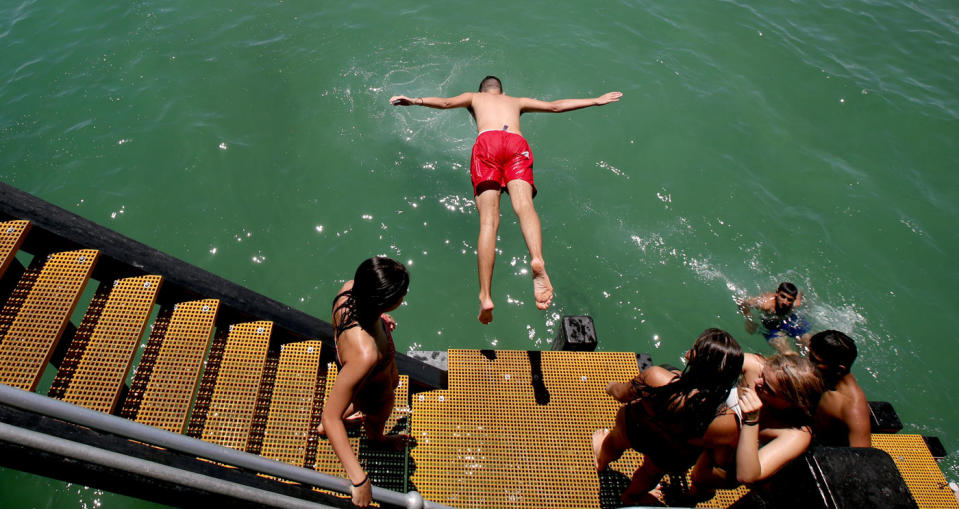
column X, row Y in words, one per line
column 354, row 420
column 650, row 499
column 598, row 437
column 657, row 493
column 392, row 442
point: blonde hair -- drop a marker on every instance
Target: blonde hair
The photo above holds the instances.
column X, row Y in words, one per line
column 798, row 380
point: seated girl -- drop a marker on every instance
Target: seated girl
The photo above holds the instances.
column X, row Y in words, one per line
column 669, row 416
column 777, row 399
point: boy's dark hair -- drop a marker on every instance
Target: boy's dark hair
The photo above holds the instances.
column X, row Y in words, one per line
column 490, row 83
column 834, row 349
column 788, row 288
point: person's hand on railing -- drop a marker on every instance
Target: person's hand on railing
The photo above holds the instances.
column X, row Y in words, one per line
column 361, row 494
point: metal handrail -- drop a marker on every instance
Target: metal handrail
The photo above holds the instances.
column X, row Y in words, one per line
column 90, row 454
column 119, row 426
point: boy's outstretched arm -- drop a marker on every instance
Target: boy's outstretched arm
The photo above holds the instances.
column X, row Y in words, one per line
column 463, row 100
column 535, row 105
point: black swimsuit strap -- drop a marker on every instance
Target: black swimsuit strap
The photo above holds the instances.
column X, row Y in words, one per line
column 346, row 304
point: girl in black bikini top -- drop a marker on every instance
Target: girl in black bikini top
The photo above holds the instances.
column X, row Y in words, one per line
column 686, row 406
column 385, row 356
column 379, row 283
column 378, row 286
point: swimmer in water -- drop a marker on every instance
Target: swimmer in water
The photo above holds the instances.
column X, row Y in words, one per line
column 502, row 160
column 782, row 323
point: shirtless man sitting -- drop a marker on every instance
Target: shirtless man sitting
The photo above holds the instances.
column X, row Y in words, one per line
column 842, row 418
column 502, row 160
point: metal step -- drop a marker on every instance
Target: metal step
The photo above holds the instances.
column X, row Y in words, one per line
column 296, row 404
column 12, row 234
column 233, row 386
column 38, row 312
column 93, row 371
column 169, row 371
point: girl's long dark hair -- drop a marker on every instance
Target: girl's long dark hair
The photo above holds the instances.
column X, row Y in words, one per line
column 691, row 402
column 378, row 284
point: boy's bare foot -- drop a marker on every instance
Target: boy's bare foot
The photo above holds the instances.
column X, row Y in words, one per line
column 598, row 437
column 486, row 311
column 542, row 289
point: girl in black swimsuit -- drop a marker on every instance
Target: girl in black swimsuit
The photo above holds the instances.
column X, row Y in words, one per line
column 365, row 355
column 667, row 413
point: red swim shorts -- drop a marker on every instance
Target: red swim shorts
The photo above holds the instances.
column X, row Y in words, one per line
column 499, row 157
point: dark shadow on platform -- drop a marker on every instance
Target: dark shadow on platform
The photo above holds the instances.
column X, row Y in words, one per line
column 540, row 392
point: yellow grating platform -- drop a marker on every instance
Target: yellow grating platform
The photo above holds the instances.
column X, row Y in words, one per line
column 99, row 375
column 29, row 342
column 918, row 468
column 237, row 385
column 387, row 469
column 12, row 234
column 486, row 442
column 165, row 403
column 288, row 424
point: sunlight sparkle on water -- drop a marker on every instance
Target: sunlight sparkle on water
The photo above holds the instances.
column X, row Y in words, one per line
column 614, row 170
column 459, row 204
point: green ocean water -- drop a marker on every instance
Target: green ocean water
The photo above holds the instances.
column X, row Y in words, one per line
column 805, row 141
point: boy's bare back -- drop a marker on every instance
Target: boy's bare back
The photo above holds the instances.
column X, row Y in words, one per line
column 496, row 112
